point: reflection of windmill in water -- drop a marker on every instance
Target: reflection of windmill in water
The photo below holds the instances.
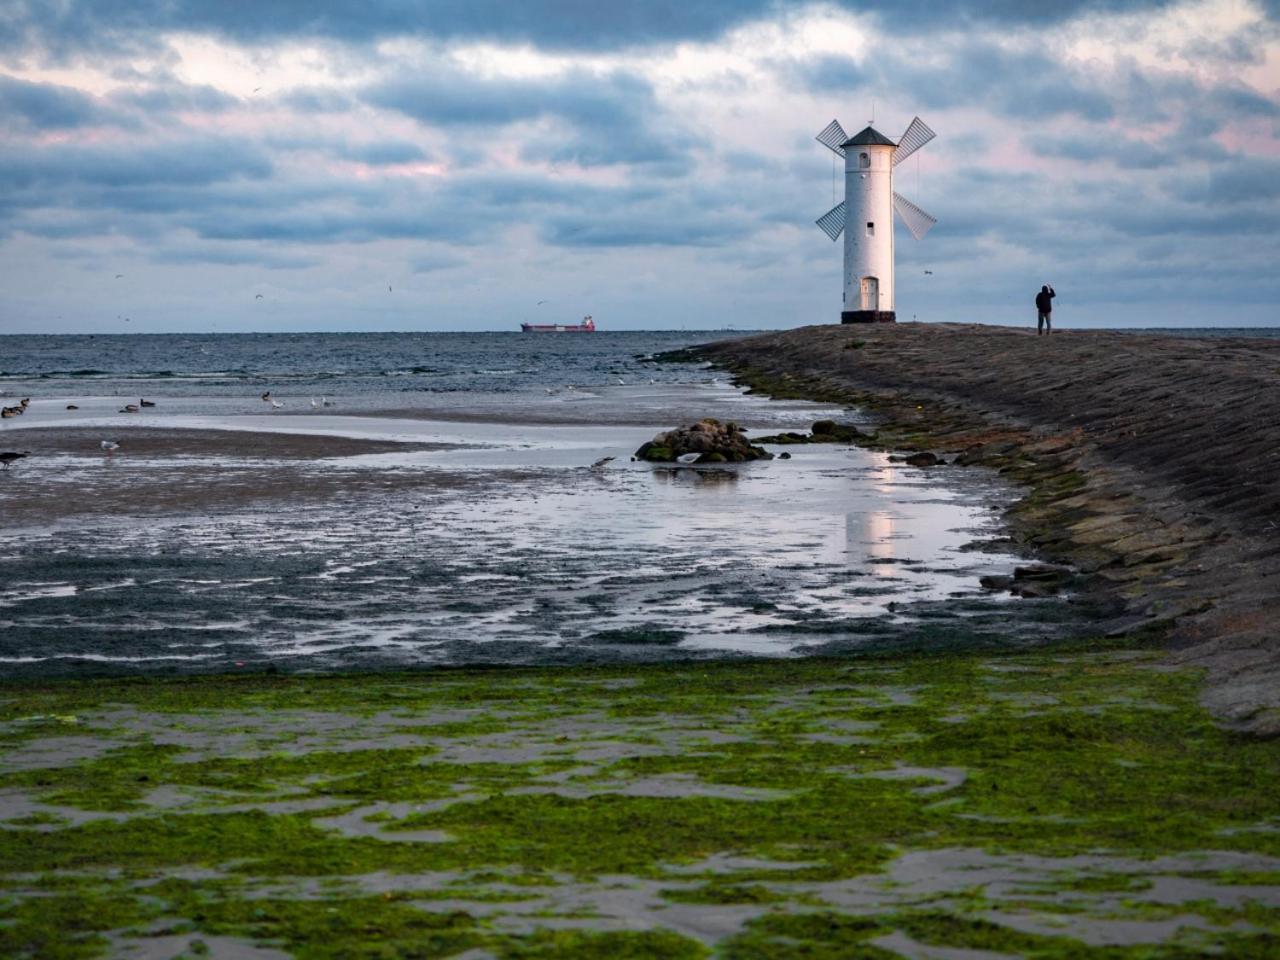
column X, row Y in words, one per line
column 867, row 211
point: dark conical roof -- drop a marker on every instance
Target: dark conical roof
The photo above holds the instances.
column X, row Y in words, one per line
column 871, row 136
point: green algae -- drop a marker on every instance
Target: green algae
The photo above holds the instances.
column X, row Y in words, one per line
column 1062, row 752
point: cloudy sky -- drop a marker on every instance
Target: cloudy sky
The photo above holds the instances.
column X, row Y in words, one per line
column 445, row 164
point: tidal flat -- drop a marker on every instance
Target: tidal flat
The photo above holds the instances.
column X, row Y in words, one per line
column 1071, row 801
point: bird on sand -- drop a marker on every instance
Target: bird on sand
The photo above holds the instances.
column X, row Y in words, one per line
column 129, row 408
column 267, row 396
column 688, row 457
column 72, row 406
column 146, row 403
column 601, row 463
column 276, row 404
column 11, row 455
column 109, row 445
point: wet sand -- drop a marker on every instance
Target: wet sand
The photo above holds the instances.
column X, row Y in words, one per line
column 173, row 471
column 1175, row 443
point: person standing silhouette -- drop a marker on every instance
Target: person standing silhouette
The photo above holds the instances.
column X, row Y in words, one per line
column 1044, row 308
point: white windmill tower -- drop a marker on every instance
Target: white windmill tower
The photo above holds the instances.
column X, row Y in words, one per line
column 867, row 212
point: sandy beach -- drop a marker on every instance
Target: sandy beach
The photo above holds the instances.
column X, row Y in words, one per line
column 1150, row 463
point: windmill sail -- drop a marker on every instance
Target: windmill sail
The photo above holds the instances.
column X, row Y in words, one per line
column 832, row 222
column 916, row 136
column 917, row 221
column 832, row 136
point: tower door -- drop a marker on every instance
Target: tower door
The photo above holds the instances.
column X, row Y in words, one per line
column 870, row 293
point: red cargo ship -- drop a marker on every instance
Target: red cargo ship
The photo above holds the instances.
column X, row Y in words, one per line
column 586, row 326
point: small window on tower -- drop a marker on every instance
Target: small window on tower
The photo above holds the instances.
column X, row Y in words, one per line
column 871, row 229
column 864, row 161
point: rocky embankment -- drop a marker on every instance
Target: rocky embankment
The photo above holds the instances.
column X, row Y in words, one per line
column 1152, row 464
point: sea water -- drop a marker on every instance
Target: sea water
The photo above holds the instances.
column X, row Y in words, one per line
column 481, row 534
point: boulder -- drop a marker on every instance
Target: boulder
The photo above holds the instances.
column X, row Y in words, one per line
column 716, row 442
column 925, row 459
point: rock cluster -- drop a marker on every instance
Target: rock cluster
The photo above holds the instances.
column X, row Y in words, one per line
column 823, row 431
column 715, row 442
column 1036, row 580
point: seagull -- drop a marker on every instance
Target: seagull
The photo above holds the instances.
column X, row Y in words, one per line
column 688, row 457
column 11, row 455
column 257, row 296
column 276, row 404
column 119, row 276
column 256, row 89
column 600, row 464
column 621, row 382
column 109, row 445
column 314, row 403
column 541, row 302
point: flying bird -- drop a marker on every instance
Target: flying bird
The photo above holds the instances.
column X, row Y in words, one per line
column 541, row 302
column 119, row 276
column 600, row 464
column 929, row 273
column 388, row 288
column 11, row 455
column 257, row 296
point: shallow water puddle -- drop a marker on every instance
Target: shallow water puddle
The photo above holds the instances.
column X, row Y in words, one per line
column 497, row 545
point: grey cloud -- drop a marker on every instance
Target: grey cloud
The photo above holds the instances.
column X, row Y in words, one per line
column 173, row 96
column 186, row 162
column 384, row 153
column 231, row 256
column 75, row 25
column 434, row 262
column 614, row 117
column 1245, row 180
column 1026, row 84
column 45, row 106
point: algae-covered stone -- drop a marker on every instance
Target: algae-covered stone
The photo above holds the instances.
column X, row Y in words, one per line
column 714, row 441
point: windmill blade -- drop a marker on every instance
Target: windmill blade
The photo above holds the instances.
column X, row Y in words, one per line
column 917, row 221
column 917, row 135
column 832, row 136
column 832, row 222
